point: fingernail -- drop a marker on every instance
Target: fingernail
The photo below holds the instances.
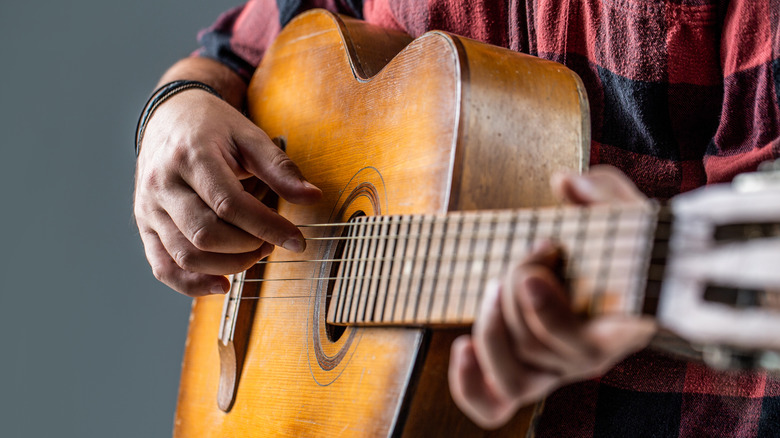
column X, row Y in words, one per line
column 585, row 185
column 217, row 289
column 295, row 245
column 309, row 185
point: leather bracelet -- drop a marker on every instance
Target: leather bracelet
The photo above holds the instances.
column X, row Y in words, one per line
column 159, row 96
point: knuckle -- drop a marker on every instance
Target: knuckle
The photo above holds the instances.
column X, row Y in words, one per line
column 185, row 259
column 163, row 273
column 154, row 184
column 281, row 161
column 203, row 238
column 225, row 207
column 180, row 153
column 152, row 178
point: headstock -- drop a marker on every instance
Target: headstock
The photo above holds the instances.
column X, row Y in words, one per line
column 721, row 288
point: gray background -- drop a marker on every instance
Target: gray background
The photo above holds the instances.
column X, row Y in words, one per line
column 91, row 343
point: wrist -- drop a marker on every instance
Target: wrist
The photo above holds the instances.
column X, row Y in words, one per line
column 158, row 97
column 228, row 84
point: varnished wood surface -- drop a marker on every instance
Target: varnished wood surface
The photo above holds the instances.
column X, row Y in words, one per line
column 425, row 134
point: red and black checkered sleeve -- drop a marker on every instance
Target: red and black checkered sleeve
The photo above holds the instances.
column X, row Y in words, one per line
column 749, row 128
column 240, row 36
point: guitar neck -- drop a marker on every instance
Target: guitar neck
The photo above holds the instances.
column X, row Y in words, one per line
column 433, row 270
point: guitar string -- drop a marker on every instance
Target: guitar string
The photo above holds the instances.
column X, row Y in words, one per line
column 386, row 277
column 337, row 278
column 637, row 222
column 498, row 216
column 422, row 220
column 404, row 259
column 622, row 238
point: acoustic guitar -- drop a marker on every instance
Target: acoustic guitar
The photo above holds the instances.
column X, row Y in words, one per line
column 434, row 157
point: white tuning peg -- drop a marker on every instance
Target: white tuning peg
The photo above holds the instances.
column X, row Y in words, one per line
column 767, row 177
column 697, row 261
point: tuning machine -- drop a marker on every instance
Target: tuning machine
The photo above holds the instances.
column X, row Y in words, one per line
column 722, row 357
column 766, row 178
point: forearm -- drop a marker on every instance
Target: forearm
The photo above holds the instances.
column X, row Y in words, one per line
column 227, row 83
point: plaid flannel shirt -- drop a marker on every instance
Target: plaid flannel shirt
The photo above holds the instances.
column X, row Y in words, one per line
column 682, row 93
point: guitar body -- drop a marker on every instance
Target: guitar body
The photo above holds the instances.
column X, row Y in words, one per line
column 446, row 124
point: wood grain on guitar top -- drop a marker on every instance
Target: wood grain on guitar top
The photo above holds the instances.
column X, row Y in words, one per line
column 448, row 124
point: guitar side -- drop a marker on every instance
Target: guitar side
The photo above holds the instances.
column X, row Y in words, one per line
column 449, row 124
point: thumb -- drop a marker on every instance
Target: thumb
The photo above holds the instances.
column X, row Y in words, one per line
column 601, row 185
column 260, row 156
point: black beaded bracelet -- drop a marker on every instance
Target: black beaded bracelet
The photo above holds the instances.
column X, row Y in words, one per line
column 159, row 96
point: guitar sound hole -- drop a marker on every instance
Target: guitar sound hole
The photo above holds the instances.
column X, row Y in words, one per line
column 334, row 332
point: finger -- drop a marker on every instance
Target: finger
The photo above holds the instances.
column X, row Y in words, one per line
column 537, row 270
column 549, row 336
column 601, row 185
column 201, row 226
column 260, row 156
column 537, row 312
column 470, row 390
column 167, row 271
column 215, row 183
column 190, row 258
column 493, row 347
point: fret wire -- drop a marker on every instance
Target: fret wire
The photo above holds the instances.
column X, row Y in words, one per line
column 344, row 285
column 401, row 268
column 336, row 291
column 575, row 260
column 348, row 285
column 397, row 226
column 412, row 273
column 644, row 252
column 362, row 268
column 374, row 228
column 472, row 244
column 357, row 285
column 486, row 260
column 557, row 219
column 361, row 288
column 445, row 306
column 421, row 289
column 375, row 283
column 602, row 278
column 354, row 296
column 529, row 244
column 557, row 233
column 509, row 243
column 436, row 270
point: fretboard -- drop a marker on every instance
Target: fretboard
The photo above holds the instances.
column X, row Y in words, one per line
column 433, row 270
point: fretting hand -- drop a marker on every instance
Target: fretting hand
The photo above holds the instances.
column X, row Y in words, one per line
column 526, row 342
